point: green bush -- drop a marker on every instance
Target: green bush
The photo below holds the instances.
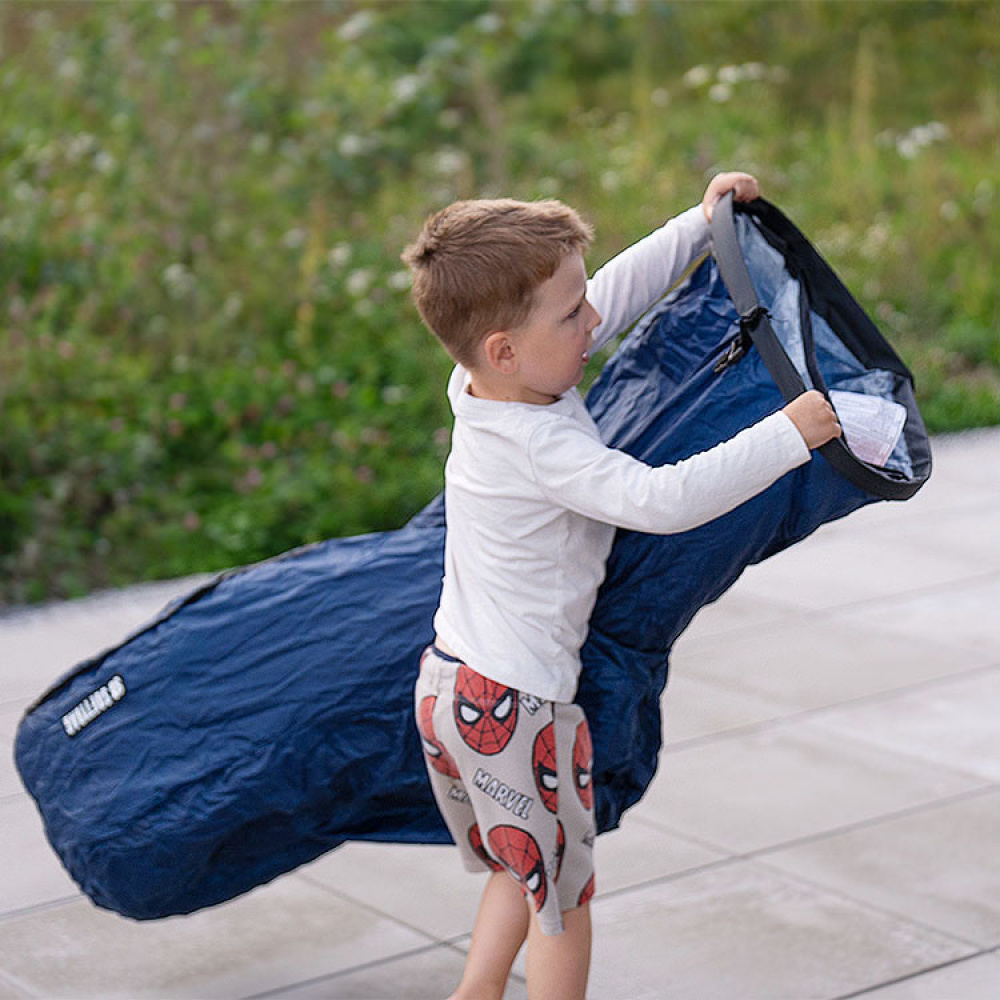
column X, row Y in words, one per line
column 208, row 352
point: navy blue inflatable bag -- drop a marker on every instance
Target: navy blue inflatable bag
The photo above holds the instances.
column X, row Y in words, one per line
column 267, row 717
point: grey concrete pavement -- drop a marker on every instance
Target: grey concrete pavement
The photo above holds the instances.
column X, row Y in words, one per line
column 824, row 824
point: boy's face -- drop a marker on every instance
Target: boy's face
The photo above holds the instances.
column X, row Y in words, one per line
column 552, row 344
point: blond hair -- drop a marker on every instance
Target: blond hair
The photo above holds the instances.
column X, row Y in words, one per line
column 477, row 264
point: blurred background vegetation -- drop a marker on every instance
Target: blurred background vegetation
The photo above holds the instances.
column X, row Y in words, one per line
column 207, row 350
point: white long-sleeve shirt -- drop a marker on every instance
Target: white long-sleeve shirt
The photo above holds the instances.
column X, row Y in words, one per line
column 533, row 496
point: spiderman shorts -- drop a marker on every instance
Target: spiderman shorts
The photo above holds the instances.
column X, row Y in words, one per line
column 511, row 776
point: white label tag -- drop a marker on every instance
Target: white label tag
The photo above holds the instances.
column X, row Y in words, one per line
column 872, row 425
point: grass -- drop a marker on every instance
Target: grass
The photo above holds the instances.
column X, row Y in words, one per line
column 207, row 350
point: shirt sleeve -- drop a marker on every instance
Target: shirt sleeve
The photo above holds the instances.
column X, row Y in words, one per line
column 628, row 284
column 581, row 474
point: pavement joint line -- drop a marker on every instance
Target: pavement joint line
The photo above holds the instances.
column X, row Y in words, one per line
column 971, row 581
column 762, row 852
column 340, row 973
column 867, row 905
column 915, row 975
column 22, row 989
column 800, row 715
column 354, row 901
column 829, row 611
column 955, row 511
column 33, row 908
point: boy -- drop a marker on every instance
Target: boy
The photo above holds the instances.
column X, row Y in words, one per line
column 532, row 499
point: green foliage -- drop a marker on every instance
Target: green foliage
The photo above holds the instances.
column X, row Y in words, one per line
column 207, row 350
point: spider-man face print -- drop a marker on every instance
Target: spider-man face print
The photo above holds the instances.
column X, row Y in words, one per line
column 476, row 843
column 582, row 764
column 519, row 852
column 544, row 762
column 485, row 711
column 560, row 849
column 587, row 892
column 439, row 758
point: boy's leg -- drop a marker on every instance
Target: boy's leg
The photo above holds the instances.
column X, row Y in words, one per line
column 558, row 964
column 500, row 928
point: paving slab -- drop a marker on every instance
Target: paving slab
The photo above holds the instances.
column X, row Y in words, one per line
column 962, row 615
column 744, row 932
column 426, row 887
column 434, row 972
column 765, row 788
column 836, row 570
column 286, row 932
column 936, row 866
column 969, row 979
column 739, row 611
column 422, row 886
column 832, row 715
column 39, row 644
column 33, row 874
column 953, row 723
column 808, row 663
column 10, row 716
column 698, row 708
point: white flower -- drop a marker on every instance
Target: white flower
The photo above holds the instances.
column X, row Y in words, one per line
column 406, row 88
column 697, row 76
column 80, row 146
column 730, row 74
column 720, row 92
column 400, row 281
column 339, row 255
column 445, row 46
column 351, row 145
column 489, row 24
column 660, row 97
column 294, row 238
column 949, row 211
column 450, row 161
column 204, row 132
column 69, row 69
column 392, row 395
column 359, row 281
column 178, row 279
column 104, row 162
column 356, row 26
column 610, row 181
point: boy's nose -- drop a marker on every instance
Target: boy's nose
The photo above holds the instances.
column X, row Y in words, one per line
column 595, row 318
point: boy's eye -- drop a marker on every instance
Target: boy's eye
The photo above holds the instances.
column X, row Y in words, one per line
column 574, row 313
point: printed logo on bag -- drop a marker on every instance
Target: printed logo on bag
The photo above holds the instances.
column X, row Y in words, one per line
column 95, row 704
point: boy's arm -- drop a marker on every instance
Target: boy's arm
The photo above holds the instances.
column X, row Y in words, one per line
column 580, row 473
column 624, row 288
column 627, row 285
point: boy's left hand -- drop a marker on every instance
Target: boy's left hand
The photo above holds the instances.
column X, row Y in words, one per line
column 743, row 186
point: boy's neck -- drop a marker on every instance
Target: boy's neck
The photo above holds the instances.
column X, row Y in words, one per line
column 503, row 391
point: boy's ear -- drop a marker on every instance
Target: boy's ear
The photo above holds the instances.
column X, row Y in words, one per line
column 499, row 352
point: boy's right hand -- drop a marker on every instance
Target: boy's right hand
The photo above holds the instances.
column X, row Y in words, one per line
column 814, row 418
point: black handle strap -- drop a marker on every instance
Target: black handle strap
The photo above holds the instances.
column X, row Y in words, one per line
column 754, row 320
